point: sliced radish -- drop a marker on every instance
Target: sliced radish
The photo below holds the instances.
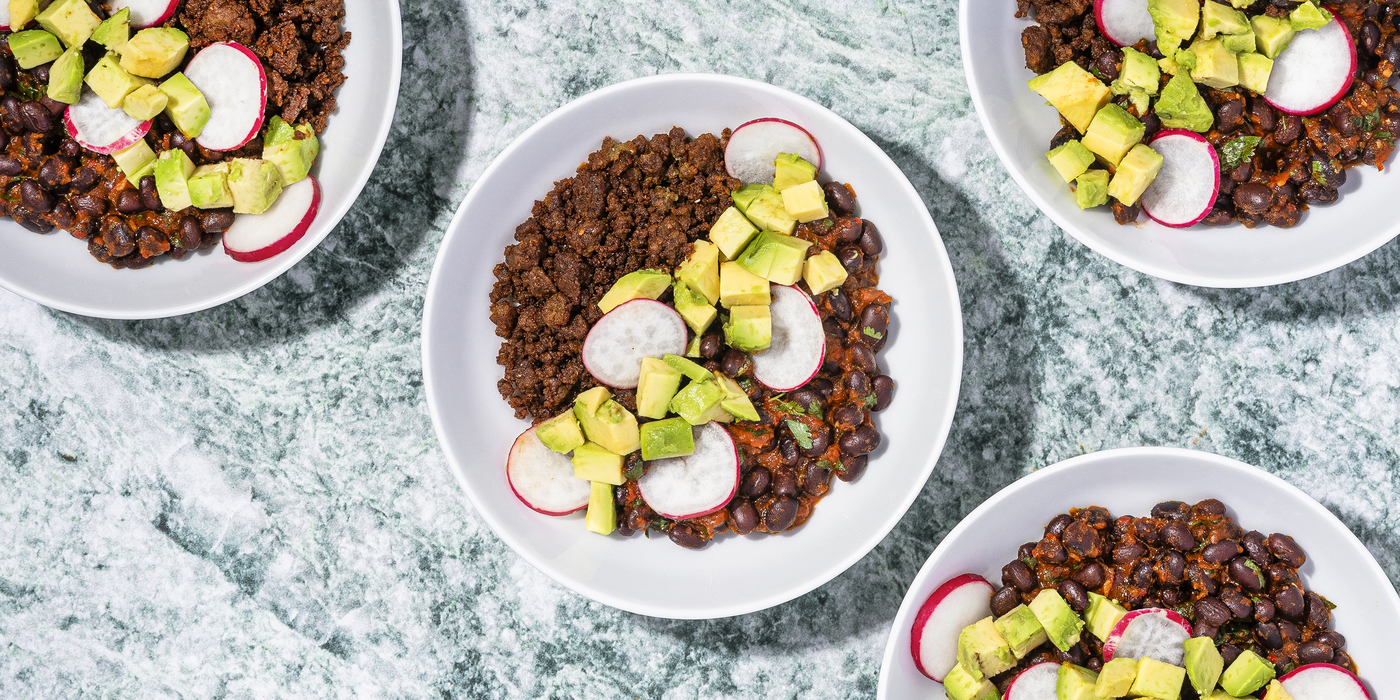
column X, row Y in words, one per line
column 1035, row 683
column 959, row 602
column 699, row 483
column 1124, row 22
column 639, row 328
column 1186, row 188
column 1324, row 682
column 799, row 342
column 256, row 237
column 235, row 85
column 5, row 17
column 1314, row 72
column 544, row 479
column 1149, row 632
column 101, row 129
column 756, row 144
column 147, row 13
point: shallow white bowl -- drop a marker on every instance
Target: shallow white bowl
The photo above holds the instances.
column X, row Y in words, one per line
column 55, row 269
column 1020, row 126
column 1129, row 482
column 653, row 576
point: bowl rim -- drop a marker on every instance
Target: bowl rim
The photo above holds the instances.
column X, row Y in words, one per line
column 1322, row 264
column 280, row 263
column 585, row 589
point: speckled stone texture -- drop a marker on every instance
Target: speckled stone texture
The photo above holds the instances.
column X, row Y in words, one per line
column 249, row 502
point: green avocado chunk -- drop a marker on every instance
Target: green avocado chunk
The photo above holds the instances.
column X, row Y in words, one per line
column 1216, row 65
column 1272, row 33
column 790, row 169
column 983, row 651
column 693, row 371
column 1070, row 159
column 1221, row 19
column 1248, row 673
column 34, row 47
column 699, row 403
column 173, row 170
column 642, row 284
column 1021, row 630
column 1308, row 16
column 255, row 185
column 1076, row 683
column 607, row 422
column 114, row 31
column 1182, row 107
column 66, row 77
column 1175, row 21
column 560, row 433
column 186, row 105
column 1060, row 621
column 749, row 328
column 1203, row 664
column 1158, row 680
column 1116, row 678
column 70, row 20
column 961, row 685
column 1113, row 133
column 663, row 439
column 1091, row 189
column 656, row 386
column 292, row 149
column 209, row 187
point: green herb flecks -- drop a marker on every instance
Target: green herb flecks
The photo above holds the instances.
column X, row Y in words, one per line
column 870, row 400
column 1384, row 136
column 787, row 406
column 1237, row 151
column 872, row 333
column 801, row 433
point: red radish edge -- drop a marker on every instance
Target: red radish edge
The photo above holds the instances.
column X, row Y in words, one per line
column 1110, row 645
column 595, row 355
column 1103, row 25
column 916, row 637
column 1215, row 158
column 521, row 444
column 1015, row 690
column 768, row 358
column 284, row 242
column 168, row 12
column 1365, row 693
column 661, row 468
column 208, row 85
column 1351, row 75
column 126, row 141
column 815, row 144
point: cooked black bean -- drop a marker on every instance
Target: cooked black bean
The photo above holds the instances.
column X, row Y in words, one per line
column 1128, row 553
column 150, row 197
column 862, row 357
column 1095, row 664
column 1005, row 600
column 1319, row 613
column 1290, row 631
column 833, row 328
column 1210, row 507
column 40, row 73
column 10, row 165
column 822, row 386
column 815, row 479
column 857, row 383
column 1143, row 576
column 710, row 345
column 787, row 447
column 1317, row 193
column 870, row 241
column 884, row 392
column 216, row 221
column 1253, row 197
column 862, row 440
column 92, row 205
column 1288, row 129
column 735, row 361
column 1019, row 575
column 784, row 483
column 1171, row 597
column 1230, row 116
column 10, row 115
column 1247, row 574
column 1281, row 573
column 84, row 179
column 807, row 398
column 1171, row 510
column 120, row 241
column 1289, row 602
column 840, row 199
column 1286, row 550
column 847, row 416
column 1255, row 547
column 781, row 514
column 1147, row 530
column 821, row 439
column 1213, row 611
column 756, row 482
column 1171, row 568
column 35, row 196
column 1263, row 609
column 1074, row 594
column 1050, row 551
column 55, row 107
column 1179, row 536
column 874, row 321
column 853, row 467
column 1229, row 653
column 70, row 148
column 36, row 118
column 1314, row 652
column 1243, row 172
column 1370, row 37
column 1201, row 629
column 63, row 216
column 9, row 72
column 1057, row 524
column 129, row 202
column 55, row 171
column 685, row 537
column 1202, row 581
column 849, row 230
column 1063, row 136
column 851, row 258
column 1221, row 551
column 1268, row 636
column 1332, row 639
column 1240, row 606
column 840, row 305
column 1026, row 551
column 743, row 518
column 1092, row 575
column 1107, row 64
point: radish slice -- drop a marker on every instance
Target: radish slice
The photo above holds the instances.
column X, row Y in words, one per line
column 1324, row 682
column 1124, row 22
column 5, row 17
column 959, row 602
column 699, row 483
column 147, row 13
column 799, row 342
column 1035, row 683
column 1149, row 632
column 1314, row 72
column 235, row 85
column 754, row 145
column 1186, row 188
column 255, row 237
column 544, row 479
column 617, row 343
column 101, row 129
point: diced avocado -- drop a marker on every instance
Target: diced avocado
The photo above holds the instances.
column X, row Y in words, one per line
column 1091, row 189
column 22, row 12
column 1102, row 616
column 145, row 103
column 1241, row 4
column 768, row 213
column 1248, row 673
column 34, row 47
column 983, row 651
column 1203, row 664
column 690, row 370
column 66, row 77
column 154, row 52
column 662, row 439
column 1075, row 92
column 591, row 400
column 1139, row 70
column 749, row 328
column 1308, row 16
column 1075, row 683
column 72, row 21
column 594, row 463
column 732, row 232
column 1070, row 159
column 607, row 422
column 187, row 107
column 735, row 402
column 1182, row 107
column 1255, row 70
column 173, row 170
column 114, row 31
column 602, row 512
column 1276, row 691
column 560, row 433
column 111, row 83
column 790, row 169
column 254, row 183
column 1240, row 43
column 698, row 403
column 209, row 187
column 693, row 348
column 1216, row 65
column 1062, row 625
column 1137, row 171
column 1158, row 680
column 292, row 150
column 656, row 386
column 960, row 685
column 1175, row 21
column 739, row 287
column 1272, row 33
column 136, row 160
column 805, row 202
column 1221, row 19
column 1021, row 630
column 748, row 194
column 823, row 272
column 642, row 284
column 1113, row 133
column 701, row 270
column 1116, row 678
column 692, row 306
column 1219, row 694
column 776, row 257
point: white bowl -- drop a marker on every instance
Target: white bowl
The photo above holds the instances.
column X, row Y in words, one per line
column 653, row 576
column 56, row 270
column 1020, row 126
column 1129, row 482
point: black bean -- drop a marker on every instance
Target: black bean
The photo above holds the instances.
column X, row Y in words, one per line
column 833, row 328
column 870, row 242
column 1019, row 575
column 63, row 216
column 1269, row 637
column 1203, row 581
column 710, row 345
column 1286, row 550
column 1171, row 597
column 1171, row 568
column 40, row 73
column 1151, row 125
column 1057, row 524
column 686, row 537
column 1230, row 116
column 1005, row 600
column 84, row 179
column 1390, row 51
column 1128, row 553
column 1179, row 536
column 1026, row 551
column 840, row 305
column 1143, row 576
column 1171, row 510
column 735, row 361
column 1107, row 63
column 1253, row 197
column 1082, row 539
column 1095, row 664
column 851, row 258
column 1241, row 607
column 1370, row 37
column 756, row 482
column 1332, row 639
column 35, row 197
column 1063, row 136
column 10, row 115
column 1247, row 574
column 70, row 148
column 1074, row 594
column 1319, row 614
column 150, row 197
column 1288, row 129
column 1229, row 653
column 1317, row 194
column 849, row 230
column 857, row 384
column 1209, row 508
column 1243, row 172
column 861, row 441
column 29, row 219
column 120, row 241
column 36, row 118
column 1255, row 548
column 1264, row 114
column 884, row 392
column 784, row 483
column 53, row 172
column 743, row 518
column 1263, row 609
column 840, row 199
column 821, row 439
column 92, row 205
column 874, row 321
column 1147, row 530
column 781, row 514
column 9, row 72
column 1092, row 575
column 54, row 106
column 10, row 165
column 216, row 221
column 1050, row 551
column 1201, row 629
column 807, row 398
column 1221, row 551
column 1213, row 611
column 863, row 359
column 1289, row 602
column 815, row 479
column 787, row 447
column 847, row 416
column 1290, row 631
column 853, row 467
column 129, row 202
column 822, row 386
column 1314, row 652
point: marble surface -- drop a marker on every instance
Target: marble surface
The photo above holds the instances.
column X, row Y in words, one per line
column 249, row 502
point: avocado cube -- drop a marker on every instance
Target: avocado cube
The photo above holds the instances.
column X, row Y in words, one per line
column 1114, row 132
column 136, row 160
column 114, row 31
column 1070, row 159
column 145, row 103
column 739, row 287
column 1103, row 615
column 560, row 433
column 790, row 169
column 693, row 348
column 610, row 425
column 1255, row 70
column 1182, row 107
column 1175, row 21
column 749, row 328
column 961, row 685
column 735, row 402
column 663, row 439
column 642, row 284
column 66, row 77
column 1240, row 43
column 1060, row 621
column 1074, row 91
column 776, row 257
column 602, row 512
column 745, row 196
column 173, row 170
column 1241, row 4
column 701, row 270
column 1116, row 678
column 209, row 187
column 690, row 370
column 1272, row 33
column 1219, row 694
column 1221, row 19
column 764, row 207
column 72, row 21
column 592, row 400
column 1091, row 189
column 1140, row 71
column 1158, row 680
column 594, row 463
column 1308, row 16
column 254, row 183
column 1216, row 65
column 983, row 651
column 34, row 47
column 732, row 232
column 1135, row 173
column 805, row 202
column 823, row 272
column 1075, row 683
column 655, row 388
column 22, row 12
column 187, row 107
column 154, row 52
column 292, row 150
column 698, row 403
column 1021, row 630
column 693, row 308
column 1203, row 664
column 1276, row 691
column 111, row 83
column 1248, row 673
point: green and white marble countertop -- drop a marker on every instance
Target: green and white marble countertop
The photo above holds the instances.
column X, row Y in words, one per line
column 249, row 502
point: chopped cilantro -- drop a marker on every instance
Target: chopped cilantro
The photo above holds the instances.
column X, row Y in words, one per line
column 1318, row 173
column 871, row 332
column 801, row 433
column 870, row 400
column 1370, row 121
column 1237, row 151
column 1384, row 136
column 786, row 406
column 1029, row 561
